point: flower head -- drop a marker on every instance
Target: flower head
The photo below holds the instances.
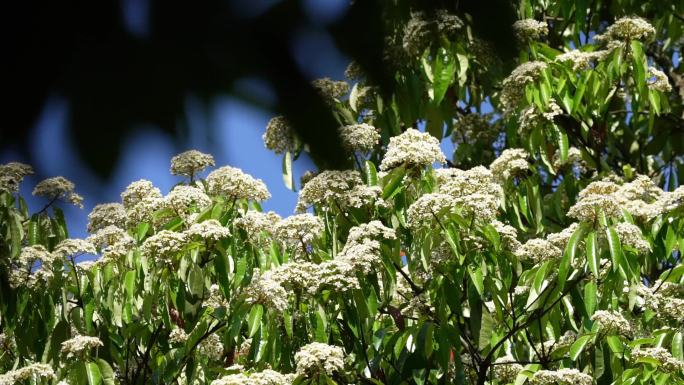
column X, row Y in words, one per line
column 12, row 174
column 317, row 358
column 58, row 188
column 412, row 148
column 80, row 345
column 360, row 137
column 106, row 214
column 191, row 162
column 530, row 29
column 279, row 136
column 234, row 183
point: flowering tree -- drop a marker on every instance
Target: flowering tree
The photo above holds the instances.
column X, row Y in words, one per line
column 545, row 251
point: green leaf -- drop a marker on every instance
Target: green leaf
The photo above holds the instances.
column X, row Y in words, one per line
column 254, row 319
column 196, row 281
column 371, row 173
column 677, row 346
column 579, row 345
column 569, row 256
column 614, row 247
column 393, row 182
column 592, row 253
column 129, row 283
column 108, row 377
column 288, row 176
column 443, row 69
column 590, row 297
column 93, row 373
column 616, row 345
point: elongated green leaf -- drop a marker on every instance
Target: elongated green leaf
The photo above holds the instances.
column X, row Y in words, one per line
column 579, row 345
column 371, row 173
column 590, row 297
column 108, row 377
column 93, row 373
column 614, row 247
column 254, row 319
column 592, row 253
column 677, row 346
column 288, row 176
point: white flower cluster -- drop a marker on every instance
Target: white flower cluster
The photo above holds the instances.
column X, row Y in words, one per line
column 79, row 345
column 582, row 60
column 298, row 230
column 178, row 336
column 561, row 377
column 256, row 223
column 234, row 183
column 266, row 291
column 561, row 238
column 72, row 247
column 279, row 136
column 141, row 199
column 667, row 362
column 184, row 200
column 412, row 148
column 328, row 186
column 538, row 250
column 372, row 229
column 106, row 214
column 112, row 241
column 596, row 197
column 137, row 192
column 360, row 137
column 627, row 28
column 215, row 299
column 664, row 298
column 164, row 245
column 530, row 29
column 191, row 162
column 11, row 175
column 474, row 192
column 58, row 188
column 531, row 117
column 660, row 83
column 363, row 256
column 30, row 254
column 505, row 369
column 508, row 235
column 512, row 162
column 211, row 347
column 317, row 358
column 630, row 235
column 211, row 229
column 427, row 210
column 612, row 322
column 329, row 89
column 265, row 377
column 514, row 85
column 420, row 29
column 32, row 372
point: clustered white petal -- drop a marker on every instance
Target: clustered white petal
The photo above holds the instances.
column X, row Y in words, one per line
column 511, row 162
column 317, row 358
column 106, row 214
column 279, row 136
column 233, row 183
column 612, row 322
column 12, row 174
column 360, row 137
column 414, row 149
column 58, row 188
column 530, row 29
column 79, row 345
column 561, row 377
column 191, row 162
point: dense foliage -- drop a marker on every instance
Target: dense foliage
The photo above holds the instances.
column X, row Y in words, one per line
column 546, row 250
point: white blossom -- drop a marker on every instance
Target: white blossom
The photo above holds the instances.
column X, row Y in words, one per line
column 58, row 188
column 511, row 162
column 412, row 148
column 561, row 377
column 12, row 174
column 660, row 83
column 530, row 29
column 211, row 229
column 317, row 357
column 279, row 136
column 612, row 322
column 138, row 191
column 79, row 345
column 234, row 183
column 106, row 214
column 360, row 137
column 189, row 163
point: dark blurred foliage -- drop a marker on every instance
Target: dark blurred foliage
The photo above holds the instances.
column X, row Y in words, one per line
column 116, row 81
